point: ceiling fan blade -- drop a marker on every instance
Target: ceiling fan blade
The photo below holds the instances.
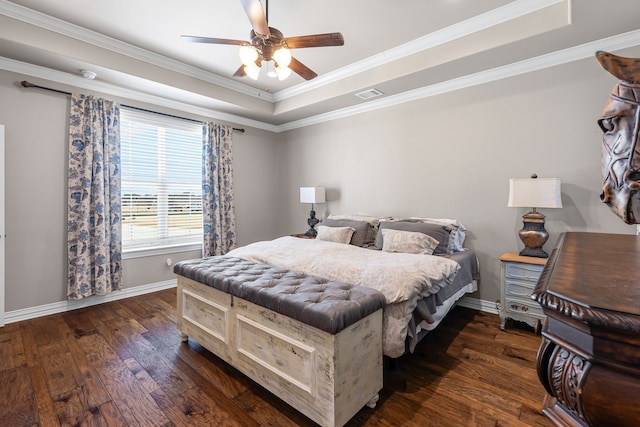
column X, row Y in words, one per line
column 197, row 39
column 315, row 40
column 240, row 72
column 301, row 69
column 255, row 13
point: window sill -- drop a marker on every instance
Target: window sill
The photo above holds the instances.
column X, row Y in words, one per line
column 160, row 250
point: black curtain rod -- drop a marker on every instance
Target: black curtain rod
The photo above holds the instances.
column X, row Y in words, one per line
column 25, row 83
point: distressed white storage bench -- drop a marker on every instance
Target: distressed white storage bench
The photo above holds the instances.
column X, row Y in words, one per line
column 317, row 344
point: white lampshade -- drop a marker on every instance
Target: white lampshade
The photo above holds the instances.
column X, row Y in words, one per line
column 312, row 195
column 534, row 193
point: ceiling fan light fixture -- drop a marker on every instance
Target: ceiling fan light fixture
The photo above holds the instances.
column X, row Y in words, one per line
column 268, row 44
column 252, row 70
column 283, row 72
column 248, row 55
column 282, row 56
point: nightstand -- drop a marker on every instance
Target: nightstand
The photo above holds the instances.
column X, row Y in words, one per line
column 520, row 275
column 303, row 236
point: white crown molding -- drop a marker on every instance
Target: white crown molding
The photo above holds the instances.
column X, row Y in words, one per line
column 64, row 306
column 478, row 23
column 8, row 64
column 59, row 26
column 611, row 44
column 448, row 34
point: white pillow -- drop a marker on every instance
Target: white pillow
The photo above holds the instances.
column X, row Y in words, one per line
column 335, row 234
column 409, row 242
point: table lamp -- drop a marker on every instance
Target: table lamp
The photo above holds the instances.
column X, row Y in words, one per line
column 312, row 195
column 534, row 193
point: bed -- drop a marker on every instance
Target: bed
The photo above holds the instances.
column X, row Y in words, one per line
column 418, row 264
column 292, row 313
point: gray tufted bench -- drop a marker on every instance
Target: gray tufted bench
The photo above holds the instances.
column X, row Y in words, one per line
column 315, row 343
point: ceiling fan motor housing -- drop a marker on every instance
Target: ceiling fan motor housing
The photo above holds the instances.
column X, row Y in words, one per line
column 266, row 45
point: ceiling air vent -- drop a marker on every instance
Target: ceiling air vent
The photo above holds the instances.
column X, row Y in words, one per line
column 369, row 93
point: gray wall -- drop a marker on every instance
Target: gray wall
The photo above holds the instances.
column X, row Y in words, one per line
column 35, row 195
column 446, row 156
column 452, row 156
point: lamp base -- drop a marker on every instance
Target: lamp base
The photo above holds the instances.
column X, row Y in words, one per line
column 312, row 221
column 533, row 235
column 534, row 252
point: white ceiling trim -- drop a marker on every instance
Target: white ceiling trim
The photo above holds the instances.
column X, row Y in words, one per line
column 446, row 35
column 79, row 33
column 614, row 43
column 106, row 88
column 478, row 23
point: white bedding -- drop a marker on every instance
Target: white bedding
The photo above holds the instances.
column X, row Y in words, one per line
column 400, row 277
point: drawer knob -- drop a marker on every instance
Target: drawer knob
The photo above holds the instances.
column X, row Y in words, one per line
column 516, row 307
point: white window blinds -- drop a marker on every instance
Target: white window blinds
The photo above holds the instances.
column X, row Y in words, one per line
column 161, row 180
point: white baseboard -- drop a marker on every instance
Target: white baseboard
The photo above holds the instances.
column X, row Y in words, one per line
column 478, row 304
column 63, row 306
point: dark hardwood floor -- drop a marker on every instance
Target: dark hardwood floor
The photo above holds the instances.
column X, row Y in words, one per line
column 123, row 364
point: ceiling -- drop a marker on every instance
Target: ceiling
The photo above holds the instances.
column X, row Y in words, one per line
column 402, row 49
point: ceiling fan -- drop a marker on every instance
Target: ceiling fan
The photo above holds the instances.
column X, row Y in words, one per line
column 269, row 44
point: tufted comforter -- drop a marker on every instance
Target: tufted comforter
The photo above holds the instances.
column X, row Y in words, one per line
column 401, row 278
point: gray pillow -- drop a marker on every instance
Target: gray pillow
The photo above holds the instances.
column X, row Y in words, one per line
column 437, row 231
column 361, row 236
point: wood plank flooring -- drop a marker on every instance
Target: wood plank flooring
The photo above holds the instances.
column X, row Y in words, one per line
column 123, row 364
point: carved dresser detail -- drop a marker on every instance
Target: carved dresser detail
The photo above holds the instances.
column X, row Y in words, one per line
column 589, row 358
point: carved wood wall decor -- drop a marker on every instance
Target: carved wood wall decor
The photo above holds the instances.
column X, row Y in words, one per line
column 620, row 123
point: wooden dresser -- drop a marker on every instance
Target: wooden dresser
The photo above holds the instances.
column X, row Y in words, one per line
column 589, row 358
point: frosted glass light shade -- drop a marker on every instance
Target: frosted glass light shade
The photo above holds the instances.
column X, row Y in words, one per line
column 283, row 72
column 282, row 56
column 248, row 55
column 535, row 193
column 312, row 195
column 252, row 71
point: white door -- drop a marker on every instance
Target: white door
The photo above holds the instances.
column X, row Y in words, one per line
column 2, row 235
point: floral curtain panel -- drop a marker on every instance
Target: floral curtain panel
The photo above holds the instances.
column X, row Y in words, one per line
column 218, row 206
column 94, row 228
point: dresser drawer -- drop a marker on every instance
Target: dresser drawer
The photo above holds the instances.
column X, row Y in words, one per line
column 521, row 271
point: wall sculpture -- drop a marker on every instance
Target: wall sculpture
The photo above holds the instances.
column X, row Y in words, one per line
column 620, row 124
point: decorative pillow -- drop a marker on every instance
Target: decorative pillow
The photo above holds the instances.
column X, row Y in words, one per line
column 409, row 242
column 361, row 236
column 439, row 232
column 335, row 234
column 457, row 235
column 372, row 220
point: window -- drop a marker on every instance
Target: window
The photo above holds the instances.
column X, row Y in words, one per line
column 161, row 161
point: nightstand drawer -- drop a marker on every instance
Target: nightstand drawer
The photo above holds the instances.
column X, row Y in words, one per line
column 525, row 307
column 519, row 288
column 521, row 271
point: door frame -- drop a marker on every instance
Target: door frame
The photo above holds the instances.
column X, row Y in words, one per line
column 3, row 236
